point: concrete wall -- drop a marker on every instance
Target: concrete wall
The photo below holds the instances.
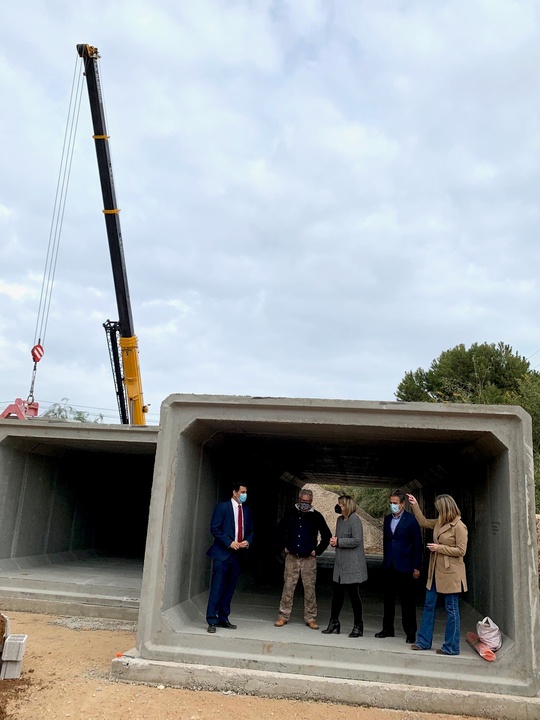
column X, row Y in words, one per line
column 67, row 490
column 39, row 511
column 480, row 455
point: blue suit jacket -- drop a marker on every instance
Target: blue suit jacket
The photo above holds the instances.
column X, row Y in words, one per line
column 223, row 529
column 403, row 549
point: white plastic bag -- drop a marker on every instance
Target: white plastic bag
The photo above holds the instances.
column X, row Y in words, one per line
column 489, row 632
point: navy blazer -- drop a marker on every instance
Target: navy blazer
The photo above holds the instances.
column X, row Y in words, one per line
column 223, row 529
column 403, row 549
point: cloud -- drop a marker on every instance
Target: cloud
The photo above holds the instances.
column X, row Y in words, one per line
column 16, row 291
column 316, row 197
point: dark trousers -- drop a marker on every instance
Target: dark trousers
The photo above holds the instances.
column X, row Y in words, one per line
column 402, row 585
column 225, row 574
column 338, row 596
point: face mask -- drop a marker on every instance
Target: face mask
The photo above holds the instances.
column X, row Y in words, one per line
column 338, row 509
column 242, row 497
column 394, row 508
column 304, row 506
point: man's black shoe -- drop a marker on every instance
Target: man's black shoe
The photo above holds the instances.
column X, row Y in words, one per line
column 410, row 640
column 227, row 625
column 383, row 634
column 211, row 629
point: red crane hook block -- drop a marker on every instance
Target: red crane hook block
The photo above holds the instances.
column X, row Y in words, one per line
column 37, row 352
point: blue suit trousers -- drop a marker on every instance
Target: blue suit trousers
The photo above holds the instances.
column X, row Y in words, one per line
column 225, row 574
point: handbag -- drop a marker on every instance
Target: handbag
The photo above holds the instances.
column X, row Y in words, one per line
column 489, row 632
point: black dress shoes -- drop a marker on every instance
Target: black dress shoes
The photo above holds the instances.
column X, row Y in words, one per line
column 211, row 629
column 227, row 625
column 383, row 634
column 410, row 639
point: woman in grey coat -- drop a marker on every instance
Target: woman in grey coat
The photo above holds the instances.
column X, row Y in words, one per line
column 350, row 567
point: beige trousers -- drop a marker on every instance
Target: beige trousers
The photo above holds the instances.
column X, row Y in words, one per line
column 305, row 568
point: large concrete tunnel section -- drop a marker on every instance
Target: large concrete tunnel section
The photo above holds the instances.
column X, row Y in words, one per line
column 481, row 455
column 74, row 503
column 76, row 517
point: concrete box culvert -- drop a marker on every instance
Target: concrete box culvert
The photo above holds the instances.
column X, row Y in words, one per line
column 479, row 454
column 74, row 502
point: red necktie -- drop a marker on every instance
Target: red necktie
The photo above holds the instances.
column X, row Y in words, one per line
column 240, row 524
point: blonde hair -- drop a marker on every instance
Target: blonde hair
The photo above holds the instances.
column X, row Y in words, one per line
column 447, row 508
column 349, row 505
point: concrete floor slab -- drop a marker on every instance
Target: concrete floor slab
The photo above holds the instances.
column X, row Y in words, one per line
column 258, row 644
column 94, row 587
column 410, row 697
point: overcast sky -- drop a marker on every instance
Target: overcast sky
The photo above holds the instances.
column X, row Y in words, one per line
column 316, row 195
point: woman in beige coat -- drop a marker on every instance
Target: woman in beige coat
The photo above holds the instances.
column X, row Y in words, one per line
column 446, row 572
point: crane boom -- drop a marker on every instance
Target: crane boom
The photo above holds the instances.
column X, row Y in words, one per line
column 129, row 351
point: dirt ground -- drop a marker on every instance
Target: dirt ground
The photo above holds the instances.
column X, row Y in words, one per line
column 66, row 675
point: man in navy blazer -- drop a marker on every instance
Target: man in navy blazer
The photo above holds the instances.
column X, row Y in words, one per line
column 232, row 529
column 401, row 567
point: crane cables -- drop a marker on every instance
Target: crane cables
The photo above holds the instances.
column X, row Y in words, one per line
column 55, row 231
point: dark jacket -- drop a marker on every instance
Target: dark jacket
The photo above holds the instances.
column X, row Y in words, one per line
column 403, row 549
column 222, row 528
column 298, row 532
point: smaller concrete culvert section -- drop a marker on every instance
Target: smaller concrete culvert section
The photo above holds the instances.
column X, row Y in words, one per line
column 480, row 455
column 74, row 502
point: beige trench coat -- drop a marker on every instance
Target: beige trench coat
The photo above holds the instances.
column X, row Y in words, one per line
column 447, row 563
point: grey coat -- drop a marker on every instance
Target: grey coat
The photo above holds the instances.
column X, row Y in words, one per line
column 350, row 565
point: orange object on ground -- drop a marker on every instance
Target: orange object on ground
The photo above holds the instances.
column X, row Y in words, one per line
column 480, row 646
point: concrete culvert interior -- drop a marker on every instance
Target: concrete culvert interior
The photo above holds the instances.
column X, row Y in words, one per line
column 275, row 466
column 480, row 456
column 74, row 515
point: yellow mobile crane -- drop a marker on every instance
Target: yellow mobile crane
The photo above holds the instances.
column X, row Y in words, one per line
column 122, row 341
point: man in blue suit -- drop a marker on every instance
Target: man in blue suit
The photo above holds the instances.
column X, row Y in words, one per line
column 401, row 567
column 232, row 529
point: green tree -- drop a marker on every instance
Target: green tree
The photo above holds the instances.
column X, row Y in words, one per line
column 487, row 373
column 67, row 413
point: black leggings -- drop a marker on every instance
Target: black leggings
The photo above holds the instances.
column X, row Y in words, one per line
column 338, row 596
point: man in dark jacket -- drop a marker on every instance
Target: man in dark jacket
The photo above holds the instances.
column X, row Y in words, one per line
column 401, row 565
column 298, row 537
column 232, row 529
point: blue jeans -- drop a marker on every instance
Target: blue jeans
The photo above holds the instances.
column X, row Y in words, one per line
column 451, row 636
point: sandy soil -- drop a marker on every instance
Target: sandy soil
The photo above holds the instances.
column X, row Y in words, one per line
column 66, row 671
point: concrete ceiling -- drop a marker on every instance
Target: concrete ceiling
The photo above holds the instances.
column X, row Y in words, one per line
column 364, row 456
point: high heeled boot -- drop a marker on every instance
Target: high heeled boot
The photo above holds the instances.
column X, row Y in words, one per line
column 357, row 631
column 333, row 626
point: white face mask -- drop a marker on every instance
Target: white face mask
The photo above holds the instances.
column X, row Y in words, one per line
column 394, row 508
